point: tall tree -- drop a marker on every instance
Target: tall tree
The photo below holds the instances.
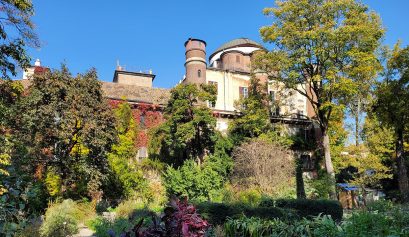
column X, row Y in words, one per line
column 255, row 118
column 317, row 44
column 391, row 108
column 189, row 130
column 16, row 32
column 68, row 129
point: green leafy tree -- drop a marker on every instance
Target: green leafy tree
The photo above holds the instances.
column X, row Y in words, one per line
column 65, row 123
column 255, row 118
column 378, row 137
column 189, row 130
column 317, row 45
column 202, row 182
column 391, row 108
column 16, row 32
column 122, row 157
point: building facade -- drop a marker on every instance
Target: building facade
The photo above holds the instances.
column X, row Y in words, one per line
column 229, row 69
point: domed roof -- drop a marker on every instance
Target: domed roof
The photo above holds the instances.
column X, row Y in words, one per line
column 236, row 43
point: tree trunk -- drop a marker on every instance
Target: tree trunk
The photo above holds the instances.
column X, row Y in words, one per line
column 299, row 180
column 358, row 112
column 402, row 170
column 328, row 163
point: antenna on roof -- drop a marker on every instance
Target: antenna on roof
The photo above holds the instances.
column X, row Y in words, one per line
column 118, row 66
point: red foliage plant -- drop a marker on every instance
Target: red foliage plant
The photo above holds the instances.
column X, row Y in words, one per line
column 180, row 220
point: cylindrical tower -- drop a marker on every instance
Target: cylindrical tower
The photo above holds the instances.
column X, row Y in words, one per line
column 195, row 61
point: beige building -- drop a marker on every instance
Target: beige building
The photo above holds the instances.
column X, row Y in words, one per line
column 229, row 69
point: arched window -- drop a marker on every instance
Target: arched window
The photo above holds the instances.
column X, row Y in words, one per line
column 199, row 73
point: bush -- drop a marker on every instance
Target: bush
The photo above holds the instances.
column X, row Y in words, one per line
column 370, row 224
column 60, row 220
column 256, row 227
column 308, row 208
column 218, row 213
column 380, row 206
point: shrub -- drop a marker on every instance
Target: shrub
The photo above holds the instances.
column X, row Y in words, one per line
column 256, row 227
column 104, row 227
column 308, row 208
column 180, row 219
column 369, row 224
column 60, row 220
column 380, row 206
column 201, row 183
column 218, row 213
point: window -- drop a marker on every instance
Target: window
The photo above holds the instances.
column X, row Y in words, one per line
column 237, row 59
column 142, row 152
column 300, row 113
column 273, row 96
column 142, row 120
column 199, row 73
column 243, row 92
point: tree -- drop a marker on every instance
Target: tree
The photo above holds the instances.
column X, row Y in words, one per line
column 122, row 157
column 202, row 182
column 67, row 127
column 254, row 109
column 16, row 31
column 262, row 164
column 189, row 130
column 317, row 46
column 391, row 108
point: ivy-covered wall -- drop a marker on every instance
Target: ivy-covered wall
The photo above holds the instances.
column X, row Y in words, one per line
column 147, row 116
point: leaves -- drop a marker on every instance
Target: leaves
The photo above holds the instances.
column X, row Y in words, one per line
column 189, row 130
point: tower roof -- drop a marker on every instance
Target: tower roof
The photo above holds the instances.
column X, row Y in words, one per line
column 244, row 42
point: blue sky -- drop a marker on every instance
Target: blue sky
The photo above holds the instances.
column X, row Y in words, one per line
column 149, row 34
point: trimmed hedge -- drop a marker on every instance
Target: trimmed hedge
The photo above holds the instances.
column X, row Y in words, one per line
column 308, row 208
column 217, row 213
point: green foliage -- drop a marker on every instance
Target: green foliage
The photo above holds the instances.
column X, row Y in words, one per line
column 53, row 183
column 218, row 213
column 60, row 220
column 320, row 187
column 255, row 119
column 378, row 137
column 189, row 130
column 256, row 227
column 391, row 108
column 65, row 123
column 122, row 157
column 191, row 180
column 307, row 207
column 23, row 200
column 15, row 34
column 202, row 182
column 103, row 227
column 319, row 48
column 380, row 206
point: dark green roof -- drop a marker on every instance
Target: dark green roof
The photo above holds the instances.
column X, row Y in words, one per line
column 236, row 43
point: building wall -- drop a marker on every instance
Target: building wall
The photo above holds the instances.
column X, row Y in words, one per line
column 290, row 102
column 136, row 80
column 236, row 61
column 228, row 84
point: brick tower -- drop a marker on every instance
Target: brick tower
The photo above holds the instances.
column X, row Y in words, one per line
column 195, row 61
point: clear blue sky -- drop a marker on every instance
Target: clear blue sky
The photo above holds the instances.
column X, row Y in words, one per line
column 149, row 34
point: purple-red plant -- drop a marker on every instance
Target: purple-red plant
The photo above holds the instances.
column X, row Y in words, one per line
column 182, row 220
